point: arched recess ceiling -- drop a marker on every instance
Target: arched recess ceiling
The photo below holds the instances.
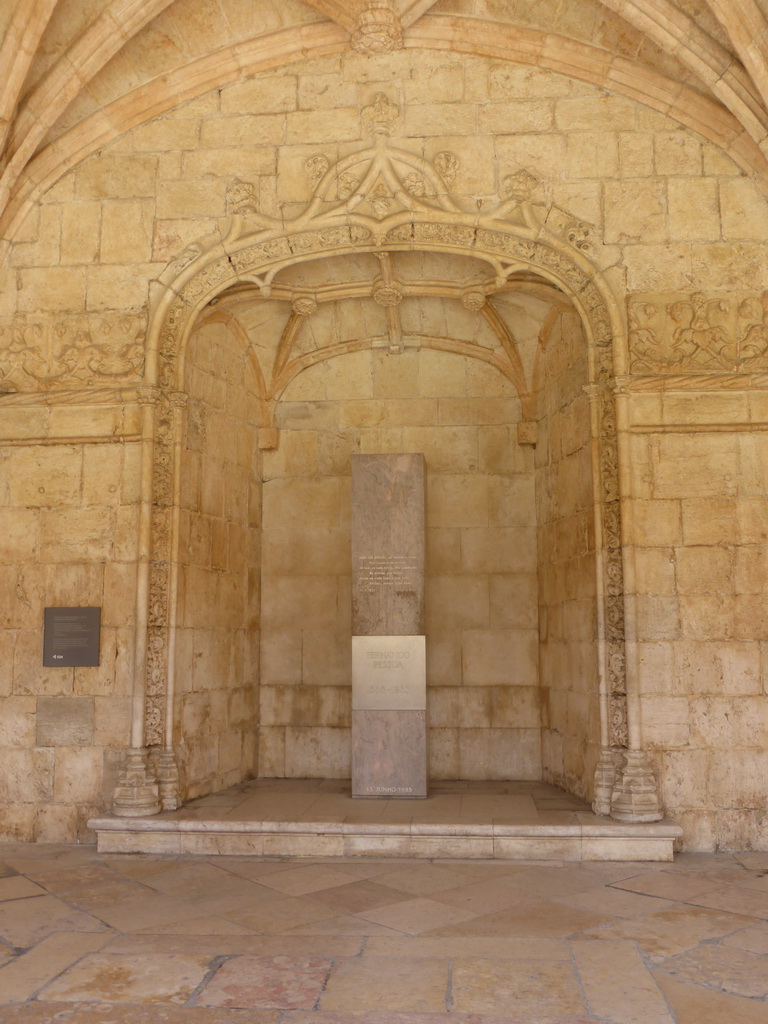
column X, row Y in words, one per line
column 76, row 75
column 393, row 301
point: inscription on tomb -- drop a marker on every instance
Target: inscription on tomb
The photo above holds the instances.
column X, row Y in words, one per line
column 399, row 571
column 389, row 673
column 389, row 790
column 388, row 544
column 389, row 693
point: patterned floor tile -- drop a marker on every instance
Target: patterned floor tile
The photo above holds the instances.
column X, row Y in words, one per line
column 17, row 887
column 137, row 978
column 25, row 922
column 299, row 881
column 532, row 918
column 148, row 1013
column 607, row 900
column 673, row 885
column 281, row 916
column 727, row 969
column 345, row 924
column 753, row 938
column 267, row 982
column 356, row 897
column 416, row 916
column 423, row 879
column 388, row 983
column 525, row 986
column 693, row 1005
column 673, row 930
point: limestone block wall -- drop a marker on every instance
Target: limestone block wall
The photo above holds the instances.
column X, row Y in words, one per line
column 662, row 211
column 566, row 562
column 217, row 664
column 113, row 222
column 483, row 703
column 69, row 489
column 700, row 474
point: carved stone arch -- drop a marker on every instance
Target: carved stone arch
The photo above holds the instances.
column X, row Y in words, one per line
column 205, row 271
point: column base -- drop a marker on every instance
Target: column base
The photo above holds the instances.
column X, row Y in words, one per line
column 136, row 792
column 606, row 773
column 635, row 796
column 166, row 772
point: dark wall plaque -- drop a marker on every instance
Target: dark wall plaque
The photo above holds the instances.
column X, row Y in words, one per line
column 71, row 637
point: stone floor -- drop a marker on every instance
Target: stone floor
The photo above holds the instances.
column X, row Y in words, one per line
column 93, row 938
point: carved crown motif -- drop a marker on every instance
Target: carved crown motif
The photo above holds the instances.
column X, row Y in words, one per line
column 380, row 117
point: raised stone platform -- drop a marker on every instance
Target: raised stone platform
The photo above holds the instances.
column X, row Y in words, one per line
column 459, row 820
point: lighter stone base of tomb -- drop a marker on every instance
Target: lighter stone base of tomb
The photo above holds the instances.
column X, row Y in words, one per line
column 376, row 774
column 232, row 824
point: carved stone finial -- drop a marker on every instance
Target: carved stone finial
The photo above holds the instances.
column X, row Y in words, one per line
column 189, row 255
column 315, row 167
column 579, row 234
column 378, row 28
column 381, row 116
column 519, row 186
column 242, row 197
column 446, row 164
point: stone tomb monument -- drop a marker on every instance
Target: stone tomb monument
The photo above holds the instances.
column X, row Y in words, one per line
column 389, row 684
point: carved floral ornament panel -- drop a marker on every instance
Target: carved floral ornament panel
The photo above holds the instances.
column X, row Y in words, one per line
column 698, row 333
column 38, row 353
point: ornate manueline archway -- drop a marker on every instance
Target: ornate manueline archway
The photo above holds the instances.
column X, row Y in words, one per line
column 380, row 201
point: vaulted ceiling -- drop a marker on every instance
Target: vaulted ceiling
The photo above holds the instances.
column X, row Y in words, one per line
column 77, row 73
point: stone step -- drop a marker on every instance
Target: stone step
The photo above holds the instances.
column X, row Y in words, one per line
column 609, row 841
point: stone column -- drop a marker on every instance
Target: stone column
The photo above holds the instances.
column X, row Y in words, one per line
column 389, row 733
column 136, row 791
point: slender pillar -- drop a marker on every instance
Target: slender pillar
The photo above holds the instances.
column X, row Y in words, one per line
column 136, row 793
column 636, row 794
column 389, row 694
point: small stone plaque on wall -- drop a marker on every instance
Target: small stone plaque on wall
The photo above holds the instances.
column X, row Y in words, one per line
column 71, row 637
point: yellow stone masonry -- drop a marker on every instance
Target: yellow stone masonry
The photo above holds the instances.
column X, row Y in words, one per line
column 527, row 241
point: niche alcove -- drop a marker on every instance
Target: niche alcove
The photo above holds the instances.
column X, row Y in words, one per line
column 385, row 316
column 383, row 352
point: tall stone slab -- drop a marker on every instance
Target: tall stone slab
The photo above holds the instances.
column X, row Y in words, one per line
column 389, row 690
